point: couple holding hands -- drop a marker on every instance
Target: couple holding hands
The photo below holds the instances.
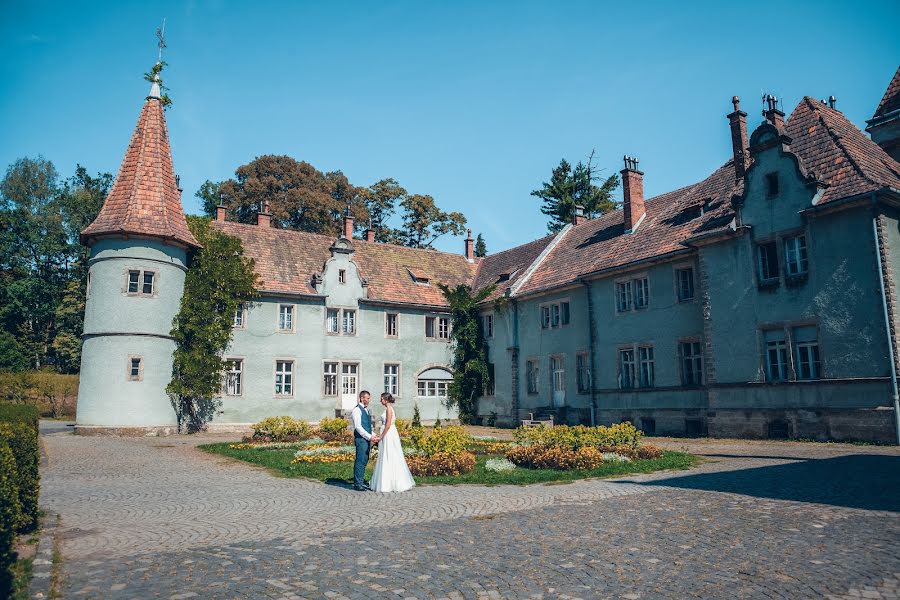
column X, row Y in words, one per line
column 391, row 472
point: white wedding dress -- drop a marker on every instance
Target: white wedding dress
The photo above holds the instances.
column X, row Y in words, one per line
column 391, row 473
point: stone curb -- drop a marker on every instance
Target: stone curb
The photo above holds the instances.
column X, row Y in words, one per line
column 42, row 566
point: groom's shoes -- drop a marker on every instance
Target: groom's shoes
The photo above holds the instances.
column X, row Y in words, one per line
column 360, row 488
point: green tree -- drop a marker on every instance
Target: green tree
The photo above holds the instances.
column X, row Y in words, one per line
column 381, row 200
column 569, row 187
column 219, row 278
column 209, row 196
column 470, row 351
column 480, row 247
column 424, row 222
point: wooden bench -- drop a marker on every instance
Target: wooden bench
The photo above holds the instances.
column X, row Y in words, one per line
column 532, row 422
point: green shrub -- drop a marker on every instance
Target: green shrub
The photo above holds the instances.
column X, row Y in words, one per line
column 444, row 440
column 441, row 463
column 281, row 429
column 10, row 517
column 580, row 436
column 403, row 426
column 22, row 440
column 12, row 413
column 333, row 426
column 417, row 418
column 554, row 457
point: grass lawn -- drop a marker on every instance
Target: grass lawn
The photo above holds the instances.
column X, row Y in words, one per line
column 279, row 462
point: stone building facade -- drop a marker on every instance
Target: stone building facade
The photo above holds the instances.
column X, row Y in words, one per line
column 757, row 302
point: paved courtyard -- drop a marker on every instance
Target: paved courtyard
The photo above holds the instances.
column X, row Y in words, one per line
column 157, row 518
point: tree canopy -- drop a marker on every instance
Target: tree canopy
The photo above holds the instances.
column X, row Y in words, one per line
column 569, row 187
column 480, row 247
column 302, row 198
column 220, row 277
column 43, row 265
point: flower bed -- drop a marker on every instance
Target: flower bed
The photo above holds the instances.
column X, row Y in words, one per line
column 578, row 447
column 440, row 452
column 562, row 436
column 441, row 463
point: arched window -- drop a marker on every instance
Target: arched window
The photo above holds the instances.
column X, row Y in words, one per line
column 433, row 383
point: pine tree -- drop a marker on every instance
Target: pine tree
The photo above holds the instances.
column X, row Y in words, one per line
column 480, row 247
column 569, row 187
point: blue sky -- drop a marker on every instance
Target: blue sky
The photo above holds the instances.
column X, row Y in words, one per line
column 471, row 102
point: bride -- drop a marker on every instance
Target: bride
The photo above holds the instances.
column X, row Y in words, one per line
column 391, row 473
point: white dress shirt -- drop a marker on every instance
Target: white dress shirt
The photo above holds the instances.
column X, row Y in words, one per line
column 356, row 416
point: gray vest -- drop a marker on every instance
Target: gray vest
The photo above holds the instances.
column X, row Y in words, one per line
column 365, row 420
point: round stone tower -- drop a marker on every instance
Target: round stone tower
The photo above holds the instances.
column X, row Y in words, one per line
column 139, row 251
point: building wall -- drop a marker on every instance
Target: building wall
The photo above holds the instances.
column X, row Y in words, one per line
column 118, row 325
column 260, row 344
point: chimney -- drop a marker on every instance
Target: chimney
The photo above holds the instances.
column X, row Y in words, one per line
column 348, row 224
column 470, row 246
column 370, row 235
column 578, row 216
column 264, row 217
column 220, row 212
column 772, row 114
column 739, row 144
column 831, row 101
column 633, row 191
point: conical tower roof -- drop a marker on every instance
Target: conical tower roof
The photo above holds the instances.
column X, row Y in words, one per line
column 145, row 199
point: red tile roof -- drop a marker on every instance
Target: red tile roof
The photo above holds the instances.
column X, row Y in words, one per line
column 891, row 100
column 144, row 199
column 287, row 260
column 504, row 269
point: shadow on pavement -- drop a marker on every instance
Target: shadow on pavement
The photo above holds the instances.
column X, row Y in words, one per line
column 865, row 481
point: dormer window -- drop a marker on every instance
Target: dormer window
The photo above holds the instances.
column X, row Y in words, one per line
column 418, row 276
column 506, row 276
column 771, row 185
column 342, row 276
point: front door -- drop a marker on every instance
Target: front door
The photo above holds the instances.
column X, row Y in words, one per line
column 349, row 385
column 558, row 368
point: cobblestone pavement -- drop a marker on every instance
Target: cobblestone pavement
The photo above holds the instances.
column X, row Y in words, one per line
column 157, row 518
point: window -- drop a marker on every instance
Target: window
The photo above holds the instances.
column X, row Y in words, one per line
column 582, row 372
column 329, row 376
column 437, row 328
column 626, row 368
column 332, row 320
column 771, row 185
column 87, row 290
column 238, row 322
column 489, row 385
column 558, row 368
column 433, row 383
column 795, row 259
column 531, row 376
column 488, row 326
column 349, row 378
column 641, row 292
column 645, row 355
column 141, row 283
column 685, row 281
column 285, row 317
column 284, row 378
column 391, row 324
column 392, row 379
column 806, row 347
column 555, row 315
column 135, row 368
column 691, row 363
column 768, row 262
column 348, row 325
column 623, row 296
column 234, row 372
column 342, row 276
column 776, row 355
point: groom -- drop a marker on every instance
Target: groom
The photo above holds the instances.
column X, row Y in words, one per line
column 362, row 439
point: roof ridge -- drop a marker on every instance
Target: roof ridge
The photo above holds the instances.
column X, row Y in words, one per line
column 536, row 263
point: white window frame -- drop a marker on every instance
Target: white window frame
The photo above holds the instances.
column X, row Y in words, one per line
column 625, row 357
column 488, row 325
column 287, row 378
column 532, row 375
column 695, row 360
column 623, row 296
column 233, row 382
column 348, row 321
column 556, row 314
column 558, row 372
column 391, row 381
column 129, row 368
column 280, row 321
column 441, row 328
column 765, row 264
column 239, row 319
column 583, row 372
column 140, row 283
column 338, row 324
column 679, row 290
column 387, row 325
column 796, row 256
column 647, row 366
column 641, row 289
column 333, row 375
column 808, row 354
column 347, row 377
column 780, row 370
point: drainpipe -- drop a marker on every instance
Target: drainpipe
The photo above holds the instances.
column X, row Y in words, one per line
column 515, row 358
column 887, row 325
column 591, row 343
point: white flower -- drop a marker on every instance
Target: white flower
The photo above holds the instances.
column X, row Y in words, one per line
column 324, row 451
column 498, row 465
column 613, row 457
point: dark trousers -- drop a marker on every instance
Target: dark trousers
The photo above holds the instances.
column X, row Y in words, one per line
column 362, row 459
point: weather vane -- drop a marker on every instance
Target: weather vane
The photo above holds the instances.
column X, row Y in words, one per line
column 161, row 36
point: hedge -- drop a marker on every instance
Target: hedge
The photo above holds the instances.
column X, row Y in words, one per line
column 11, row 413
column 9, row 517
column 22, row 440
